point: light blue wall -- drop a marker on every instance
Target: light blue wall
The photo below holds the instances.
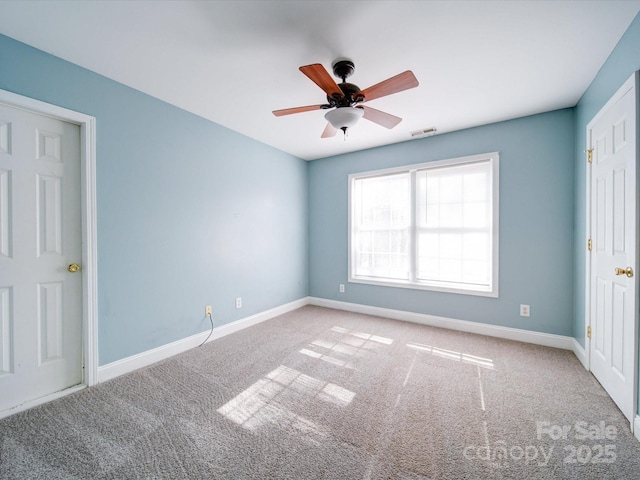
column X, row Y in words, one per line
column 536, row 223
column 623, row 61
column 189, row 213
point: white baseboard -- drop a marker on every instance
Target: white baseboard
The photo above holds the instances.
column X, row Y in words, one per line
column 526, row 336
column 636, row 427
column 129, row 364
column 580, row 352
column 143, row 359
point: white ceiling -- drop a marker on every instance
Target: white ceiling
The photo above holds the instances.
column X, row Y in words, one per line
column 233, row 62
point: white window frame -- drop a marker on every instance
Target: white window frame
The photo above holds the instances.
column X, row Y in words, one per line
column 494, row 159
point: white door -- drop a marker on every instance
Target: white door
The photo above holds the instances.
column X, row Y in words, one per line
column 612, row 137
column 40, row 236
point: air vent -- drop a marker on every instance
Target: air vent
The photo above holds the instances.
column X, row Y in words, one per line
column 425, row 132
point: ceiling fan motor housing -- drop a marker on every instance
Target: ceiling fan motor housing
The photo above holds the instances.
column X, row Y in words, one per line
column 343, row 69
column 350, row 96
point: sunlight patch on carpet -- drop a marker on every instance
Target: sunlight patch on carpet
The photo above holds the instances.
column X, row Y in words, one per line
column 455, row 356
column 364, row 336
column 270, row 401
column 326, row 358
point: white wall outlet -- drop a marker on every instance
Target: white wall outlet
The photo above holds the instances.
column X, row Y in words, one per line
column 239, row 302
column 342, row 288
column 208, row 311
column 525, row 310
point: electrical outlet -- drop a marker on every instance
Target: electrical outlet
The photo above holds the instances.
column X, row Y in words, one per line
column 239, row 302
column 208, row 310
column 342, row 288
column 525, row 310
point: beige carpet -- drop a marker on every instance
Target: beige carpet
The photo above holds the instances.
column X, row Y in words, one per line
column 319, row 393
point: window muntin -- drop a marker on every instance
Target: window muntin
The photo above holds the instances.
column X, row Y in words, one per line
column 430, row 226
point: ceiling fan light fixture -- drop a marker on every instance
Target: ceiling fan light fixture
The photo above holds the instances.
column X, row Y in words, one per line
column 344, row 117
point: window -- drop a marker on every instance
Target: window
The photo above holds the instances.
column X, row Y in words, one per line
column 431, row 226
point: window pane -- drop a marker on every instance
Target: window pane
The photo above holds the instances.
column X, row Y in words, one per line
column 450, row 215
column 429, row 244
column 476, row 246
column 476, row 186
column 475, row 215
column 429, row 268
column 432, row 217
column 453, row 217
column 450, row 186
column 381, row 226
column 382, row 202
column 476, row 272
column 450, row 270
column 451, row 246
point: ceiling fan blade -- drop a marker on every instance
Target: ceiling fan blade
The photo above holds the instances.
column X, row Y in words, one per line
column 402, row 81
column 329, row 131
column 289, row 111
column 319, row 75
column 381, row 118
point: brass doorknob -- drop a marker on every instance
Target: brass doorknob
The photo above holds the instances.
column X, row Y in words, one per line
column 622, row 271
column 73, row 268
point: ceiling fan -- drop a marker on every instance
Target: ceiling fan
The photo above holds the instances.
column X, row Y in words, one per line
column 344, row 98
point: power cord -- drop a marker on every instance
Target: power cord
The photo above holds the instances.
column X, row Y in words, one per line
column 208, row 336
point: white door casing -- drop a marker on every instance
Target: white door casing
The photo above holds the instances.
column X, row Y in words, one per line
column 47, row 220
column 612, row 225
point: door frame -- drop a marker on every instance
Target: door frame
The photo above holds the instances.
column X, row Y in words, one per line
column 87, row 126
column 632, row 82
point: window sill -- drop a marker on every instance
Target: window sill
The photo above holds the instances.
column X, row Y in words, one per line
column 459, row 289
